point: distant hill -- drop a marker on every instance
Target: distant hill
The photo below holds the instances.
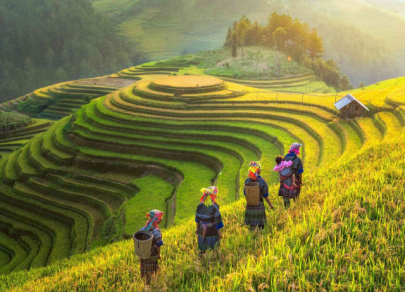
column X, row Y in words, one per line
column 367, row 41
column 366, row 38
column 46, row 42
column 396, row 6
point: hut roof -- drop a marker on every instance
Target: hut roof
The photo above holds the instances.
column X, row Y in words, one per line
column 347, row 100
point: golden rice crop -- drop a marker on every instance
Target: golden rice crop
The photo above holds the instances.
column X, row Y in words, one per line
column 187, row 81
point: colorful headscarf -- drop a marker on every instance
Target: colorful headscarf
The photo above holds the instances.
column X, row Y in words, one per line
column 295, row 148
column 155, row 216
column 254, row 169
column 211, row 192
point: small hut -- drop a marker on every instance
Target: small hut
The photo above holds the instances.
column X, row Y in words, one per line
column 350, row 107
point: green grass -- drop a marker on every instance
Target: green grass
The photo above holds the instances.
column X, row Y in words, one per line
column 158, row 193
column 257, row 63
column 11, row 119
column 328, row 232
column 11, row 174
column 371, row 133
column 36, row 216
column 400, row 114
column 64, row 212
column 24, row 164
column 392, row 126
column 40, row 241
column 194, row 175
column 48, row 147
column 4, row 258
column 353, row 141
column 18, row 253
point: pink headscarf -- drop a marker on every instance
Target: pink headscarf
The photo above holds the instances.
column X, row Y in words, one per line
column 295, row 148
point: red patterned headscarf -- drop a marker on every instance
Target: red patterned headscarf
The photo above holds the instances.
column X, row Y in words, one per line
column 210, row 192
column 254, row 169
column 155, row 216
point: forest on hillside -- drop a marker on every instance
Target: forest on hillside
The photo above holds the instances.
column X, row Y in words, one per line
column 46, row 42
column 294, row 38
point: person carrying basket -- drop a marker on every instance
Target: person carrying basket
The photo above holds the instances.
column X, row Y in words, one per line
column 150, row 265
column 208, row 221
column 256, row 189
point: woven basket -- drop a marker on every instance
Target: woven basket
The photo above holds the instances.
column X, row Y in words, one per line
column 252, row 193
column 143, row 244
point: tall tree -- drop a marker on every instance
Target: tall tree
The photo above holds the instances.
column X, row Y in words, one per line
column 234, row 44
column 315, row 45
column 242, row 28
column 235, row 26
column 344, row 83
column 279, row 38
column 228, row 38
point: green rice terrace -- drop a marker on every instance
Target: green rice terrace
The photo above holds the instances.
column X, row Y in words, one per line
column 74, row 194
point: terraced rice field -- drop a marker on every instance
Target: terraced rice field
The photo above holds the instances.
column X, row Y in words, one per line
column 70, row 97
column 92, row 176
column 13, row 140
column 139, row 72
column 66, row 98
column 305, row 83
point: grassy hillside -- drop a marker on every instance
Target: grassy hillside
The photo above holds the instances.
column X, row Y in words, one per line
column 352, row 233
column 92, row 176
column 366, row 39
column 254, row 68
column 166, row 29
column 251, row 63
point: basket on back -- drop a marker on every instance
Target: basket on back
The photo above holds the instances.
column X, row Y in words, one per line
column 143, row 244
column 252, row 193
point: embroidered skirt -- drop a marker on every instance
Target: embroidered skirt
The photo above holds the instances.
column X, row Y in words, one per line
column 149, row 266
column 289, row 194
column 208, row 242
column 255, row 215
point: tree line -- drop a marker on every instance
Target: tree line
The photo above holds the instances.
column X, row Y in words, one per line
column 292, row 37
column 46, row 42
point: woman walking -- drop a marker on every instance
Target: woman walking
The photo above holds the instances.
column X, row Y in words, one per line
column 255, row 216
column 150, row 266
column 297, row 170
column 208, row 220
